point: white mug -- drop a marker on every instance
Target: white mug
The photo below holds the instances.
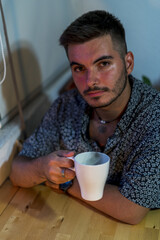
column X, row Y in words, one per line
column 92, row 171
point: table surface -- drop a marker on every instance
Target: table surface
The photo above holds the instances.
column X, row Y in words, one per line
column 39, row 213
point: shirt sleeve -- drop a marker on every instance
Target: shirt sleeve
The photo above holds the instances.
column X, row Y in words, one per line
column 140, row 183
column 45, row 138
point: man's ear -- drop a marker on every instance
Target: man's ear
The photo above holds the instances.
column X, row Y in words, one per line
column 129, row 60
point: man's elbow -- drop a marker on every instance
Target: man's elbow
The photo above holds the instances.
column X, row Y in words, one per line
column 135, row 218
column 12, row 179
column 13, row 176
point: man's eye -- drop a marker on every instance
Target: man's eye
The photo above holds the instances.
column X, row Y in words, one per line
column 103, row 64
column 78, row 69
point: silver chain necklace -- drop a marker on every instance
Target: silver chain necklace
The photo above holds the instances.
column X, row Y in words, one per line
column 103, row 121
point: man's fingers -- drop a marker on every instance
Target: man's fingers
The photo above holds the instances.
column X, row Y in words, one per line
column 65, row 153
column 62, row 162
column 60, row 175
column 57, row 168
column 69, row 174
column 53, row 186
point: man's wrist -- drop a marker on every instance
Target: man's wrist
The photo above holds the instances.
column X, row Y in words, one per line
column 65, row 186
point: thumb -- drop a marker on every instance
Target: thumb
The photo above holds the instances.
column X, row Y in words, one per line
column 70, row 154
column 65, row 153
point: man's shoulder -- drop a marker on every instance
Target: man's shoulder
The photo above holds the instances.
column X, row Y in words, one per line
column 147, row 107
column 143, row 110
column 147, row 95
column 72, row 93
column 69, row 101
column 143, row 87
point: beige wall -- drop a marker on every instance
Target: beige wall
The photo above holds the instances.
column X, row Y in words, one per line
column 34, row 27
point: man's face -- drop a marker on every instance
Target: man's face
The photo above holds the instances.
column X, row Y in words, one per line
column 98, row 71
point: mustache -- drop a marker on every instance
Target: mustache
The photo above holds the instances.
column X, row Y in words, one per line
column 105, row 89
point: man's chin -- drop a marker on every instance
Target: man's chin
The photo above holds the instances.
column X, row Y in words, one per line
column 93, row 103
column 96, row 103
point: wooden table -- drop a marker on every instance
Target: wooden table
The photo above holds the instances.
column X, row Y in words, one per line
column 39, row 213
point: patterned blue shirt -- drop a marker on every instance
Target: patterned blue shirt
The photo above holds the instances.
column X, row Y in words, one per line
column 134, row 148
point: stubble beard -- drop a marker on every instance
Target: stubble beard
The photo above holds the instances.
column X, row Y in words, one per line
column 116, row 93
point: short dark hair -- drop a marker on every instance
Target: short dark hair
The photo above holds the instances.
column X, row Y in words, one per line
column 95, row 24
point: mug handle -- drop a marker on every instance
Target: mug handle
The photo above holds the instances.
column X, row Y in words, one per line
column 72, row 158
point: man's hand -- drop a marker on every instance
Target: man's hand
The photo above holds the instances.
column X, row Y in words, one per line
column 28, row 172
column 56, row 167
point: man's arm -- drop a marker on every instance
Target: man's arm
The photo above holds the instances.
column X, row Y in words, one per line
column 28, row 172
column 114, row 204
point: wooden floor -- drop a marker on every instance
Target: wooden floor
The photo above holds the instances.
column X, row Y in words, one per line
column 39, row 213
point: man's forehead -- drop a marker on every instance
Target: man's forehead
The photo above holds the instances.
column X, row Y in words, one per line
column 94, row 48
column 97, row 40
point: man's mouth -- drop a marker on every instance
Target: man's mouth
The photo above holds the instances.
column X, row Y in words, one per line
column 95, row 92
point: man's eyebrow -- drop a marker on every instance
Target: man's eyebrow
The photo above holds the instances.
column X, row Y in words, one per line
column 103, row 58
column 75, row 63
column 97, row 60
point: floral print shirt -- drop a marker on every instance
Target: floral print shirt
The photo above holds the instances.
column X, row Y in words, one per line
column 134, row 148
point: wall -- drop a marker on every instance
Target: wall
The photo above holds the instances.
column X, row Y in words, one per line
column 34, row 27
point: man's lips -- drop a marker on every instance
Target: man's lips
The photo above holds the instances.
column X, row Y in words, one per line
column 94, row 93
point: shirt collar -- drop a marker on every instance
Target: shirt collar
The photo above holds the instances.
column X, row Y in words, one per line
column 133, row 103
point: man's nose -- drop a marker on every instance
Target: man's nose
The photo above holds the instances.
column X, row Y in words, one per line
column 91, row 78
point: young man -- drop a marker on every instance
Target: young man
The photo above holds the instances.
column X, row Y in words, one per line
column 109, row 112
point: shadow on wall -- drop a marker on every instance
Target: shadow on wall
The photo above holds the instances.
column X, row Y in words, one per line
column 29, row 83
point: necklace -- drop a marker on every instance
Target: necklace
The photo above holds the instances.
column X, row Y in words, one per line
column 103, row 121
